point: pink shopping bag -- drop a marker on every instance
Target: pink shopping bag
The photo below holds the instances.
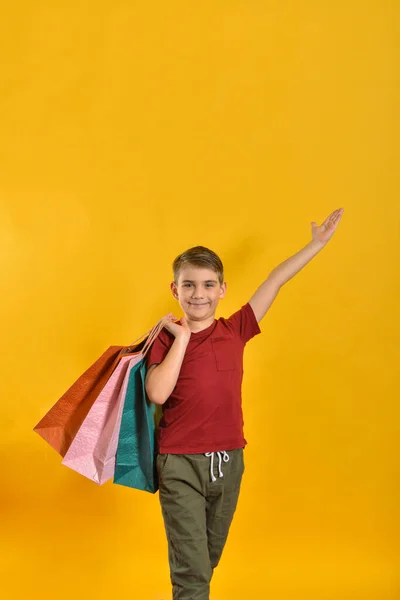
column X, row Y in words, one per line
column 106, row 449
column 92, row 452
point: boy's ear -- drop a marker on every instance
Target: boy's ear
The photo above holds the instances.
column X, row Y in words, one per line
column 174, row 290
column 223, row 289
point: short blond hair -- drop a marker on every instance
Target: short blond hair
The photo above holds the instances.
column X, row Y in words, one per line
column 199, row 256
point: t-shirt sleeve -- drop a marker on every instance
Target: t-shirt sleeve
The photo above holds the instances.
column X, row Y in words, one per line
column 158, row 349
column 244, row 322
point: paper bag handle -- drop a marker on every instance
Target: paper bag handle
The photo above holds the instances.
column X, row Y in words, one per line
column 151, row 335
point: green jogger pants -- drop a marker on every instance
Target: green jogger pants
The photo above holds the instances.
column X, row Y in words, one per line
column 198, row 497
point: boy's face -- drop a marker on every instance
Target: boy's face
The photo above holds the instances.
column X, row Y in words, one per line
column 198, row 291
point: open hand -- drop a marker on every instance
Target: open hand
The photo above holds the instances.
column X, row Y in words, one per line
column 324, row 232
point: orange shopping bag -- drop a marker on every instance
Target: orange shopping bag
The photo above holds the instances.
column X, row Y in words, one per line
column 60, row 425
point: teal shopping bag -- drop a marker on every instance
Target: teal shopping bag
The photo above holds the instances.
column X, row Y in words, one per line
column 135, row 464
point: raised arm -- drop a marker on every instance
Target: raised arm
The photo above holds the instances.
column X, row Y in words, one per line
column 268, row 290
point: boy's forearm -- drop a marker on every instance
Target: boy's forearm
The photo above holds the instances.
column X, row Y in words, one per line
column 289, row 267
column 162, row 380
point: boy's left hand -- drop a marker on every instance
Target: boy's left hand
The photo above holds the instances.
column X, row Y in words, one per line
column 324, row 232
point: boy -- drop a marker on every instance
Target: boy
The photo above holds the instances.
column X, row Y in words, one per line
column 195, row 372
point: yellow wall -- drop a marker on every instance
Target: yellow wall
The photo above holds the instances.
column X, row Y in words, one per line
column 131, row 131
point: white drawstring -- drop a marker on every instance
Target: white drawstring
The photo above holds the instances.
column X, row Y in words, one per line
column 222, row 456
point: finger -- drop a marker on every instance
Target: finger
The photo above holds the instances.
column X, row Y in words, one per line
column 337, row 217
column 338, row 213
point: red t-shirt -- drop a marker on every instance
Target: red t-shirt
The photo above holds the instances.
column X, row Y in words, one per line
column 204, row 411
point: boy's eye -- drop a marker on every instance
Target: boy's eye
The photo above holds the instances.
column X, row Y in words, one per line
column 207, row 285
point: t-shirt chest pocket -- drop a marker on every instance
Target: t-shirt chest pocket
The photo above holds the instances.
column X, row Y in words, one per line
column 225, row 355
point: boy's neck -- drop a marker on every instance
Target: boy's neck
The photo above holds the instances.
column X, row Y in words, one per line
column 197, row 326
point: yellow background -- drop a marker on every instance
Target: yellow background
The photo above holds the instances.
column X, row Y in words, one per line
column 131, row 131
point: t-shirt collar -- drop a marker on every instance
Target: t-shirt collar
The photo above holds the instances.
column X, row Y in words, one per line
column 205, row 331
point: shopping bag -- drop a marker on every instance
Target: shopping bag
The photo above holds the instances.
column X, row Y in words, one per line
column 135, row 464
column 84, row 454
column 92, row 451
column 62, row 422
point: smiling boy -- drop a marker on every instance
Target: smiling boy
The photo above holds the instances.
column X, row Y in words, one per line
column 195, row 370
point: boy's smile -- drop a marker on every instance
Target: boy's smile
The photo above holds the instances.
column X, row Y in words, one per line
column 198, row 292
